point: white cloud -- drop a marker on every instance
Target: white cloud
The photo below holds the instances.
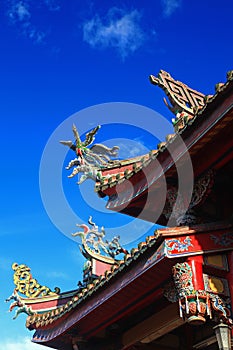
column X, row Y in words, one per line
column 52, row 5
column 170, row 6
column 36, row 35
column 23, row 14
column 131, row 148
column 119, row 29
column 19, row 11
column 21, row 344
column 136, row 150
column 20, row 15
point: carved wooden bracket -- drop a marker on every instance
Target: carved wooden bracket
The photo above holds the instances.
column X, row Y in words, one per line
column 176, row 207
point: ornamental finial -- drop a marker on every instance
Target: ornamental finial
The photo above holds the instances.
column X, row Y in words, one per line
column 94, row 243
column 185, row 102
column 89, row 161
column 27, row 285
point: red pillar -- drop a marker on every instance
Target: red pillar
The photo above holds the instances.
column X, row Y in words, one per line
column 196, row 263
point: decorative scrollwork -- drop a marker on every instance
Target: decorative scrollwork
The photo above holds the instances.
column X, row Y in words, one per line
column 181, row 96
column 177, row 206
column 178, row 244
column 28, row 286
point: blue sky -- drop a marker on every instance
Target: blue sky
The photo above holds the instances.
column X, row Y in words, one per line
column 59, row 58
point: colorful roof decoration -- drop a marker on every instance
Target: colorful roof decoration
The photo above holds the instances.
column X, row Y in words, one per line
column 182, row 97
column 48, row 314
column 89, row 160
column 29, row 286
column 197, row 131
column 186, row 102
column 94, row 244
column 191, row 109
column 123, row 293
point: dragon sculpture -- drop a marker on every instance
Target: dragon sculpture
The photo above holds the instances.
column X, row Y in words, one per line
column 93, row 238
column 89, row 161
column 22, row 308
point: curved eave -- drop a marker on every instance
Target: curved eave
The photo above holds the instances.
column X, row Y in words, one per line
column 105, row 259
column 48, row 302
column 134, row 284
column 207, row 137
column 51, row 319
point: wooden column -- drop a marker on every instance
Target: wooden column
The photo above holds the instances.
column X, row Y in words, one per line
column 196, row 263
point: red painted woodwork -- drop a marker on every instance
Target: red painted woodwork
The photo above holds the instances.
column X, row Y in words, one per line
column 196, row 263
column 100, row 267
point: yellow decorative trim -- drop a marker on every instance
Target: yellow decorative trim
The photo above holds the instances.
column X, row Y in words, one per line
column 27, row 285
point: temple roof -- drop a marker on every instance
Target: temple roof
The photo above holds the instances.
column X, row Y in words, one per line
column 53, row 314
column 116, row 173
column 200, row 131
column 158, row 251
column 38, row 321
column 40, row 318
